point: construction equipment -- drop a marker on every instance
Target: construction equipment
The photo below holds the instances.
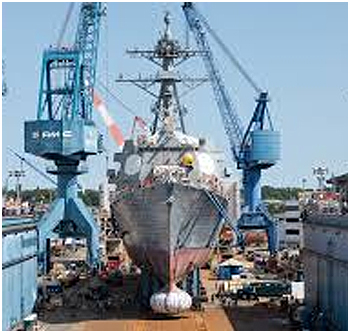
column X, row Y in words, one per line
column 64, row 131
column 256, row 148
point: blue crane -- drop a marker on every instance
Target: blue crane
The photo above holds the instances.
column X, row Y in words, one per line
column 65, row 133
column 256, row 148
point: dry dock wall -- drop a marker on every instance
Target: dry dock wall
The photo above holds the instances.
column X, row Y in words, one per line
column 19, row 271
column 325, row 257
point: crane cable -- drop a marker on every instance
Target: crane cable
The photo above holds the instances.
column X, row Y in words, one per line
column 117, row 99
column 32, row 166
column 65, row 24
column 229, row 54
column 37, row 169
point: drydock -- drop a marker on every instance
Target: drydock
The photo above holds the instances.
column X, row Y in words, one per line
column 171, row 240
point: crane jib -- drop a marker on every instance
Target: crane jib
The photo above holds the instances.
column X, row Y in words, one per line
column 232, row 123
column 255, row 149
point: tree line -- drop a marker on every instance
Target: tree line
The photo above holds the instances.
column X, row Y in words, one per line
column 92, row 197
column 276, row 193
column 47, row 195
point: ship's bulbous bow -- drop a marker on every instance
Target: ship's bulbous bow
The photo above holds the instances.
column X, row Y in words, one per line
column 171, row 301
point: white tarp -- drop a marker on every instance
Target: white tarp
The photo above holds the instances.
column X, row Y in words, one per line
column 231, row 262
column 298, row 290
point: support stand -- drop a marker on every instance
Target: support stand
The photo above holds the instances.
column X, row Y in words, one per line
column 192, row 285
column 149, row 285
column 68, row 216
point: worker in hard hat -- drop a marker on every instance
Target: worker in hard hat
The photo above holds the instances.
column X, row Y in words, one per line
column 187, row 161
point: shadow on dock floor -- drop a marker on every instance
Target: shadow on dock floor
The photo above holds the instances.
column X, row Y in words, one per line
column 84, row 302
column 257, row 317
column 62, row 315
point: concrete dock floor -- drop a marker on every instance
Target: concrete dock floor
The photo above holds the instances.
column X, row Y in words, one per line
column 208, row 320
column 215, row 317
column 244, row 317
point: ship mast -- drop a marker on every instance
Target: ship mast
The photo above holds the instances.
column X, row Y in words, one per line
column 167, row 54
column 166, row 108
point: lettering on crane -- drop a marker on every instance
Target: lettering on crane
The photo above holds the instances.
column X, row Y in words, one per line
column 36, row 135
column 51, row 134
column 67, row 134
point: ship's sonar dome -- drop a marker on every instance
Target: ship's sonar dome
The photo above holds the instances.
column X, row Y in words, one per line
column 170, row 302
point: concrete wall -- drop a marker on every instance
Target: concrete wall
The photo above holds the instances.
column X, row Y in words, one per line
column 19, row 274
column 326, row 267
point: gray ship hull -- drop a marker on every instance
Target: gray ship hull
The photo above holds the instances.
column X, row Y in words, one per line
column 168, row 227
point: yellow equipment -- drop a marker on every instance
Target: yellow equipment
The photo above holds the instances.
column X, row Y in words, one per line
column 187, row 160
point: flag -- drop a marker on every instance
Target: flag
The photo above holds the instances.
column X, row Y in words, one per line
column 139, row 121
column 112, row 126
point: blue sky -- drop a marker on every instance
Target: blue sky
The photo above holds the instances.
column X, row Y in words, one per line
column 297, row 51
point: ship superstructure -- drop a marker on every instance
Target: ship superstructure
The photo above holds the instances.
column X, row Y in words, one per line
column 168, row 184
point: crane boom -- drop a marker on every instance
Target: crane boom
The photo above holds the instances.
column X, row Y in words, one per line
column 68, row 74
column 227, row 51
column 254, row 149
column 231, row 121
column 86, row 42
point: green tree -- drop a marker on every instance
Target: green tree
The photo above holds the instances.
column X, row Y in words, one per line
column 287, row 193
column 47, row 195
column 90, row 197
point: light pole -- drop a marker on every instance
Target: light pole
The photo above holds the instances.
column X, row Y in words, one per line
column 320, row 173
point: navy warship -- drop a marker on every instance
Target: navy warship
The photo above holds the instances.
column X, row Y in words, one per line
column 169, row 184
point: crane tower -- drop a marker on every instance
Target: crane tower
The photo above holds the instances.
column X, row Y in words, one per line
column 64, row 131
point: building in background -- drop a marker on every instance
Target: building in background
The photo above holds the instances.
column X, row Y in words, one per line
column 290, row 227
column 340, row 185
